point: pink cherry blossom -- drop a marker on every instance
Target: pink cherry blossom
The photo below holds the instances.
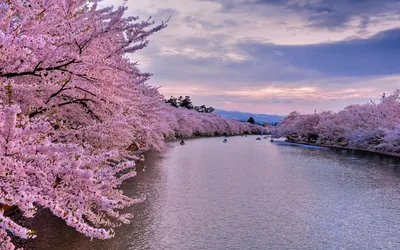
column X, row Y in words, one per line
column 371, row 126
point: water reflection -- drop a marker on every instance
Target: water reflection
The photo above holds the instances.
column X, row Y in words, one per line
column 248, row 194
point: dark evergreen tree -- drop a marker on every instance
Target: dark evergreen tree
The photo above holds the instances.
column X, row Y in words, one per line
column 251, row 120
column 173, row 102
column 188, row 104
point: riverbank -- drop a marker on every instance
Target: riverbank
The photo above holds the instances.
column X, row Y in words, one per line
column 343, row 147
column 178, row 138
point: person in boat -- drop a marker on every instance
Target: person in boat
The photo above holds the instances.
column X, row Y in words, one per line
column 225, row 140
column 272, row 140
column 182, row 142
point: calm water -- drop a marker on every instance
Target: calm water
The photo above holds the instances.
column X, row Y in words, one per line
column 248, row 194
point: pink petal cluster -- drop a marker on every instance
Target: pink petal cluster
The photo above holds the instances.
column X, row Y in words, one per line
column 372, row 126
column 76, row 184
column 74, row 110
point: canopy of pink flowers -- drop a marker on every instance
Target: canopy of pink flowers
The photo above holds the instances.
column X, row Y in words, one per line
column 372, row 126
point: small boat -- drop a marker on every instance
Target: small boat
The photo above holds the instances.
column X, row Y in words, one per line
column 225, row 140
column 265, row 137
column 182, row 142
column 258, row 139
column 272, row 140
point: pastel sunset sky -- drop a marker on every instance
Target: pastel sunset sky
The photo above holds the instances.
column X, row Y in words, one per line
column 273, row 56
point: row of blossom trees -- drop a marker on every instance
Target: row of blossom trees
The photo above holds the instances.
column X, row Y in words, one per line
column 74, row 108
column 372, row 126
column 186, row 123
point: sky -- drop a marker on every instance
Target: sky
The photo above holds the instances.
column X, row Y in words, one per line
column 272, row 56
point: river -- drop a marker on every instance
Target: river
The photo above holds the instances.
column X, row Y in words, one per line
column 249, row 194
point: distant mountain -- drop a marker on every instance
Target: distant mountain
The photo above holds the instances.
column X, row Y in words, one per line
column 242, row 116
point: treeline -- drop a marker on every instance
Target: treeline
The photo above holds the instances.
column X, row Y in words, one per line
column 372, row 126
column 187, row 103
column 185, row 123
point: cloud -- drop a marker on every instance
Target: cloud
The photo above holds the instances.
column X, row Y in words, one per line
column 377, row 55
column 282, row 98
column 319, row 54
column 326, row 14
column 255, row 64
column 195, row 22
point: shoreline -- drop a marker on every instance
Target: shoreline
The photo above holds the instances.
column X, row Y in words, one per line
column 397, row 155
column 177, row 138
column 210, row 136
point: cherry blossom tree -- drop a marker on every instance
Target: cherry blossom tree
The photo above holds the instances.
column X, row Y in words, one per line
column 371, row 126
column 69, row 57
column 72, row 103
column 61, row 177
